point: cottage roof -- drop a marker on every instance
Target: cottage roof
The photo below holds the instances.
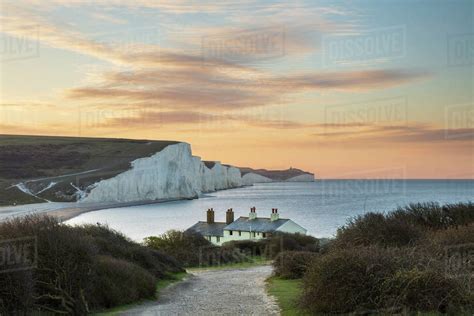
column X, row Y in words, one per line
column 206, row 229
column 260, row 224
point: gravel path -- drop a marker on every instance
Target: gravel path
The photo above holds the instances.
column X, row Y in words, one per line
column 215, row 292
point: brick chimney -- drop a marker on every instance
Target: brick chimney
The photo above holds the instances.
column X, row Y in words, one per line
column 229, row 216
column 274, row 215
column 253, row 213
column 210, row 216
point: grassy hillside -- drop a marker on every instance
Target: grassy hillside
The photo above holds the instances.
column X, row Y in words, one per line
column 39, row 161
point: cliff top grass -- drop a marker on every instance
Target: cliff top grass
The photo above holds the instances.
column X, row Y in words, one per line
column 40, row 160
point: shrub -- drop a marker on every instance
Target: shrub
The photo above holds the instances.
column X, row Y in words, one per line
column 453, row 236
column 276, row 243
column 115, row 244
column 376, row 229
column 77, row 268
column 120, row 282
column 371, row 279
column 293, row 242
column 433, row 216
column 292, row 264
column 182, row 246
column 191, row 249
column 248, row 247
column 422, row 290
column 346, row 280
column 64, row 265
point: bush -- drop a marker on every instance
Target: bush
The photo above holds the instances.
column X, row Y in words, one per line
column 120, row 282
column 192, row 249
column 76, row 266
column 64, row 265
column 433, row 216
column 293, row 242
column 405, row 226
column 250, row 248
column 292, row 264
column 115, row 244
column 453, row 236
column 371, row 279
column 182, row 246
column 276, row 243
column 376, row 229
column 422, row 290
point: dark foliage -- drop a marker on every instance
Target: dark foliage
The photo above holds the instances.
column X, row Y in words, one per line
column 191, row 249
column 120, row 282
column 77, row 268
column 405, row 226
column 371, row 279
column 276, row 243
column 292, row 264
column 412, row 259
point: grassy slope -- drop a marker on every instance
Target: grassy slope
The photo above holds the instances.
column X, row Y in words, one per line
column 287, row 293
column 26, row 158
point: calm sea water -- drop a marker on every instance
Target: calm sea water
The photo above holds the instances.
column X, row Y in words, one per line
column 321, row 207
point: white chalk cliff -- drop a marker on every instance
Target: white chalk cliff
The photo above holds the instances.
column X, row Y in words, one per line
column 251, row 178
column 171, row 173
column 301, row 178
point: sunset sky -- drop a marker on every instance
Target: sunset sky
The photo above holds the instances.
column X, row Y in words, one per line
column 346, row 89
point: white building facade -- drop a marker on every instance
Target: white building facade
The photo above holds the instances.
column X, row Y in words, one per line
column 244, row 228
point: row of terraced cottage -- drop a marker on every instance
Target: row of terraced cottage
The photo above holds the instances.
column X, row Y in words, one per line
column 244, row 228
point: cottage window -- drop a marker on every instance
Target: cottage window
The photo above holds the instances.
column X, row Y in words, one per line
column 230, row 232
column 253, row 234
column 218, row 239
column 240, row 233
column 263, row 235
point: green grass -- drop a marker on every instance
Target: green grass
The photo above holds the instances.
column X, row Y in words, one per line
column 287, row 293
column 252, row 262
column 167, row 282
column 160, row 285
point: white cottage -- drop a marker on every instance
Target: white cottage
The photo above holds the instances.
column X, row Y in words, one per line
column 244, row 228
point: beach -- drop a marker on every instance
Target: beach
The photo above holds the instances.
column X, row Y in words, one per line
column 67, row 210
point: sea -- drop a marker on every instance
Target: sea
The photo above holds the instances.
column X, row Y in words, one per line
column 321, row 206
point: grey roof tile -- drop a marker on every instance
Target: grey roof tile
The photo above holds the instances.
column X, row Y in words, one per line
column 206, row 229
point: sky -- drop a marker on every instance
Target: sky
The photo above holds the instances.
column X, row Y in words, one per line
column 343, row 89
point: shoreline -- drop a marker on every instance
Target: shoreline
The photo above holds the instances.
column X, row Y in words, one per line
column 65, row 214
column 65, row 211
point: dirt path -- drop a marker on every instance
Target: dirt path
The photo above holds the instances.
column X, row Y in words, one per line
column 215, row 292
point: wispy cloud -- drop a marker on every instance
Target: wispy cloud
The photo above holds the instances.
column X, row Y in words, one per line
column 208, row 88
column 409, row 133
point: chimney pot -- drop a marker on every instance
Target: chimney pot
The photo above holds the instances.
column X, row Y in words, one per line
column 210, row 216
column 253, row 213
column 229, row 216
column 274, row 216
